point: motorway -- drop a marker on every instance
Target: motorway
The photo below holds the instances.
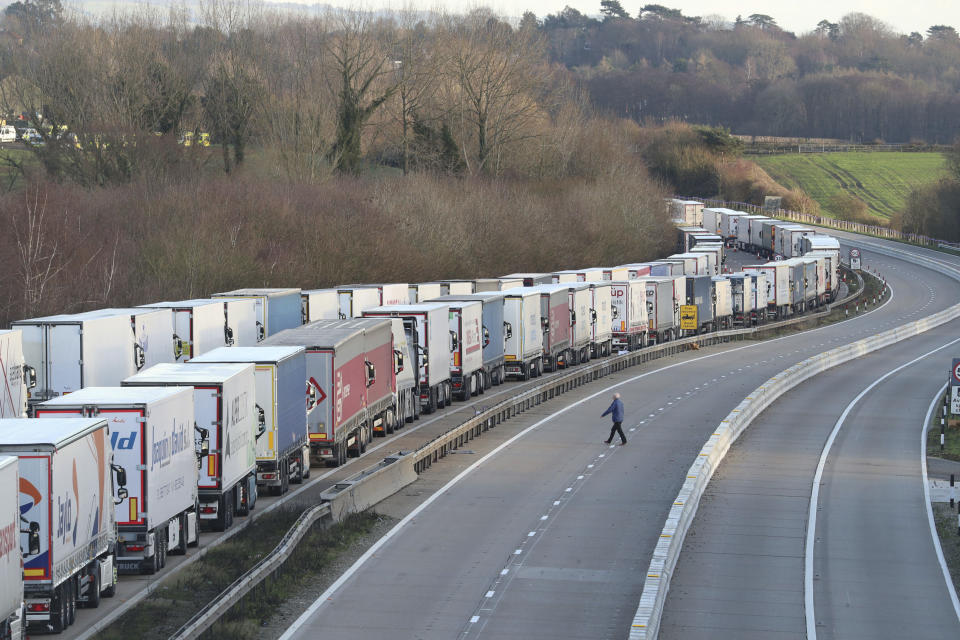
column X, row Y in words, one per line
column 550, row 534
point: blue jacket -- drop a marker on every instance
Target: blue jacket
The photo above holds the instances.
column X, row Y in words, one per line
column 616, row 408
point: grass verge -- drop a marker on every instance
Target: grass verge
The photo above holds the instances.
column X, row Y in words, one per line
column 946, row 521
column 951, row 440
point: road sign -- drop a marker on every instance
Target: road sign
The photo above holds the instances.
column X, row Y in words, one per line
column 955, row 373
column 955, row 401
column 855, row 259
column 688, row 317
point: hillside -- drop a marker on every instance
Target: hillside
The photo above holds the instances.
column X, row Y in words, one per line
column 883, row 180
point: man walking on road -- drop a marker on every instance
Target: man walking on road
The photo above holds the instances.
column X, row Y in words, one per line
column 616, row 408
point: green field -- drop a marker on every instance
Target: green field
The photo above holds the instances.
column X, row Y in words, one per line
column 882, row 179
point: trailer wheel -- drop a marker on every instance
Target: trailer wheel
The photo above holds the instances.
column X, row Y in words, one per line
column 163, row 548
column 152, row 565
column 285, row 478
column 388, row 421
column 182, row 544
column 448, row 398
column 93, row 589
column 71, row 601
column 58, row 620
column 431, row 401
column 298, row 476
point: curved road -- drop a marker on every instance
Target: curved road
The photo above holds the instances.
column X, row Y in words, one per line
column 551, row 535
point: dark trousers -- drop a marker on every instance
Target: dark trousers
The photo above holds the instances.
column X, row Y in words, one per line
column 616, row 429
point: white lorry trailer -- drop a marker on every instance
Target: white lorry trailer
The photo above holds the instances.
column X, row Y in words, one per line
column 778, row 286
column 283, row 455
column 277, row 309
column 355, row 300
column 152, row 436
column 530, row 279
column 224, row 404
column 319, row 304
column 151, row 333
column 723, row 302
column 407, row 378
column 198, row 326
column 67, row 529
column 523, row 348
column 581, row 321
column 456, row 287
column 240, row 327
column 482, row 285
column 661, row 315
column 70, row 352
column 494, row 332
column 601, row 321
column 466, row 358
column 12, row 611
column 629, row 308
column 430, row 325
column 423, row 291
column 579, row 275
column 18, row 376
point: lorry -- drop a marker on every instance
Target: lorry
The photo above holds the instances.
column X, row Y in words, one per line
column 151, row 333
column 423, row 291
column 629, row 319
column 523, row 350
column 686, row 211
column 711, row 219
column 69, row 352
column 199, row 325
column 67, row 530
column 661, row 315
column 466, row 357
column 429, row 328
column 700, row 295
column 748, row 232
column 277, row 309
column 12, row 611
column 494, row 332
column 406, row 366
column 555, row 325
column 789, row 239
column 18, row 376
column 482, row 285
column 830, row 277
column 777, row 286
column 355, row 300
column 730, row 226
column 580, row 275
column 723, row 303
column 530, row 279
column 153, row 439
column 337, row 374
column 380, row 358
column 601, row 321
column 240, row 328
column 280, row 372
column 319, row 304
column 744, row 297
column 581, row 321
column 224, row 405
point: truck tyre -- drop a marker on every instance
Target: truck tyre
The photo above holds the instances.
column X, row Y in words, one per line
column 389, row 421
column 229, row 501
column 163, row 548
column 449, row 395
column 58, row 610
column 182, row 526
column 71, row 600
column 93, row 589
column 431, row 401
column 285, row 478
column 152, row 564
column 475, row 384
column 298, row 476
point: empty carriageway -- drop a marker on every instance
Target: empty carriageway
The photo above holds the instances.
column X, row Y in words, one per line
column 550, row 533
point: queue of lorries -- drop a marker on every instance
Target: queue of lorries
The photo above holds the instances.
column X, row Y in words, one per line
column 126, row 431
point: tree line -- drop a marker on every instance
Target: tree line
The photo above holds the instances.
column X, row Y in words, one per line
column 856, row 79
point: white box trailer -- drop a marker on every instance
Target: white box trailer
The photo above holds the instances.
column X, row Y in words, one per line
column 685, row 236
column 679, row 298
column 523, row 348
column 742, row 290
column 555, row 320
column 778, row 285
column 423, row 291
column 240, row 322
column 70, row 352
column 456, row 287
column 67, row 529
column 494, row 333
column 686, row 211
column 723, row 305
column 830, row 278
column 152, row 436
column 601, row 321
column 581, row 321
column 581, row 275
column 389, row 294
column 714, row 253
column 151, row 332
column 355, row 300
column 430, row 323
column 661, row 315
column 319, row 304
column 530, row 279
column 277, row 308
column 783, row 236
column 198, row 326
column 730, row 225
column 665, row 268
column 768, row 236
column 637, row 269
column 407, row 373
column 11, row 570
column 793, row 241
column 282, row 451
column 483, row 285
column 711, row 219
column 629, row 314
column 224, row 404
column 694, row 264
column 744, row 226
column 754, row 234
column 563, row 277
column 820, row 242
column 18, row 376
column 616, row 274
column 466, row 358
column 760, row 289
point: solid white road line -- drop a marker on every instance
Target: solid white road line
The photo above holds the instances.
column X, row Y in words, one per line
column 926, row 498
column 815, row 492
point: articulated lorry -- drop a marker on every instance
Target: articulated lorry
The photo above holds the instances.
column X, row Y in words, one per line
column 277, row 309
column 12, row 611
column 153, row 438
column 224, row 405
column 283, row 455
column 18, row 376
column 523, row 349
column 554, row 324
column 494, row 332
column 466, row 359
column 67, row 529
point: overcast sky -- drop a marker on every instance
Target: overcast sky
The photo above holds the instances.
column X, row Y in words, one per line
column 799, row 17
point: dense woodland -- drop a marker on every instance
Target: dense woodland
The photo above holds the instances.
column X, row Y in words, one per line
column 856, row 80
